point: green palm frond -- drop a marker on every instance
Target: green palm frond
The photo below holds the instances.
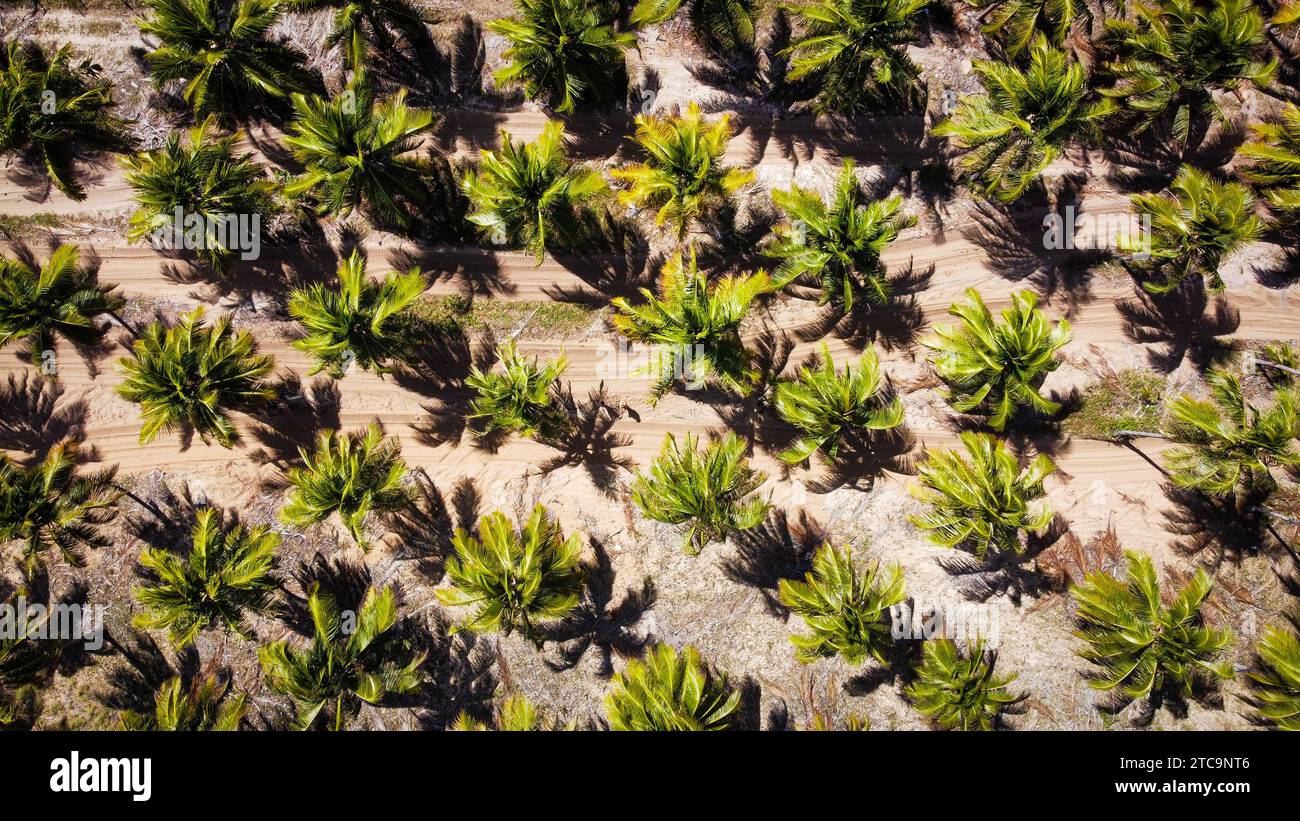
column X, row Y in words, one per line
column 521, row 397
column 365, row 26
column 1025, row 119
column 1145, row 644
column 205, row 179
column 725, row 26
column 202, row 706
column 682, row 178
column 1019, row 21
column 529, row 193
column 52, row 505
column 514, row 578
column 997, row 367
column 50, row 107
column 357, row 322
column 565, row 52
column 1274, row 168
column 329, row 679
column 27, row 659
column 825, row 404
column 222, row 53
column 695, row 325
column 985, row 502
column 189, row 376
column 348, row 473
column 60, row 297
column 225, row 575
column 515, row 714
column 959, row 690
column 846, row 611
column 1276, row 678
column 669, row 691
column 707, row 489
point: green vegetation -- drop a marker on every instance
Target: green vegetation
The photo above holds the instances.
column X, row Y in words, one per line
column 959, row 690
column 670, row 692
column 846, row 611
column 1130, row 399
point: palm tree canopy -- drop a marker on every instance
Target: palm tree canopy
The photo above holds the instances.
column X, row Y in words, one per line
column 960, row 691
column 355, row 323
column 724, row 26
column 362, row 24
column 1276, row 678
column 188, row 376
column 670, row 692
column 1274, row 156
column 1019, row 21
column 61, row 297
column 997, row 366
column 846, row 611
column 521, row 397
column 683, row 177
column 202, row 706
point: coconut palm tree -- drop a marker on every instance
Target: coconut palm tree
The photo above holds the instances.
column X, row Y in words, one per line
column 706, row 489
column 697, row 324
column 725, row 26
column 514, row 578
column 202, row 706
column 1168, row 59
column 1274, row 168
column 60, row 298
column 190, row 376
column 515, row 714
column 205, row 182
column 1276, row 678
column 362, row 25
column 984, row 503
column 565, row 52
column 854, row 50
column 1024, row 120
column 670, row 692
column 351, row 473
column 1193, row 228
column 520, row 398
column 960, row 691
column 825, row 404
column 52, row 505
column 837, row 244
column 358, row 322
column 997, row 368
column 528, row 193
column 50, row 107
column 356, row 152
column 846, row 611
column 1019, row 21
column 1144, row 646
column 330, row 679
column 223, row 53
column 683, row 178
column 225, row 575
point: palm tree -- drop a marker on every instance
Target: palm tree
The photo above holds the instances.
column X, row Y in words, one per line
column 514, row 579
column 204, row 180
column 1276, row 678
column 1024, row 120
column 1275, row 162
column 520, row 398
column 189, row 376
column 670, row 692
column 362, row 23
column 984, row 503
column 223, row 53
column 995, row 367
column 202, row 706
column 329, row 679
column 355, row 324
column 1170, row 58
column 725, row 26
column 837, row 244
column 825, row 404
column 51, row 505
column 527, row 193
column 706, row 489
column 563, row 51
column 960, row 691
column 26, row 657
column 225, row 575
column 847, row 611
column 355, row 152
column 50, row 106
column 683, row 177
column 1019, row 21
column 516, row 714
column 854, row 49
column 60, row 298
column 351, row 473
column 1143, row 646
column 1193, row 229
column 697, row 323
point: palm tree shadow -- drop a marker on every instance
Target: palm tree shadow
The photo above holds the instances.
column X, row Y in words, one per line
column 1213, row 529
column 747, row 416
column 34, row 417
column 608, row 253
column 435, row 358
column 775, row 550
column 131, row 686
column 1014, row 575
column 423, row 529
column 170, row 522
column 864, row 457
column 1150, row 160
column 458, row 673
column 589, row 439
column 291, row 422
column 893, row 327
column 1179, row 321
column 347, row 581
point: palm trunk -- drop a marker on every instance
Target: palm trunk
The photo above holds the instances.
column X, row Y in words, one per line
column 1280, row 367
column 120, row 321
column 1138, row 434
column 149, row 506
